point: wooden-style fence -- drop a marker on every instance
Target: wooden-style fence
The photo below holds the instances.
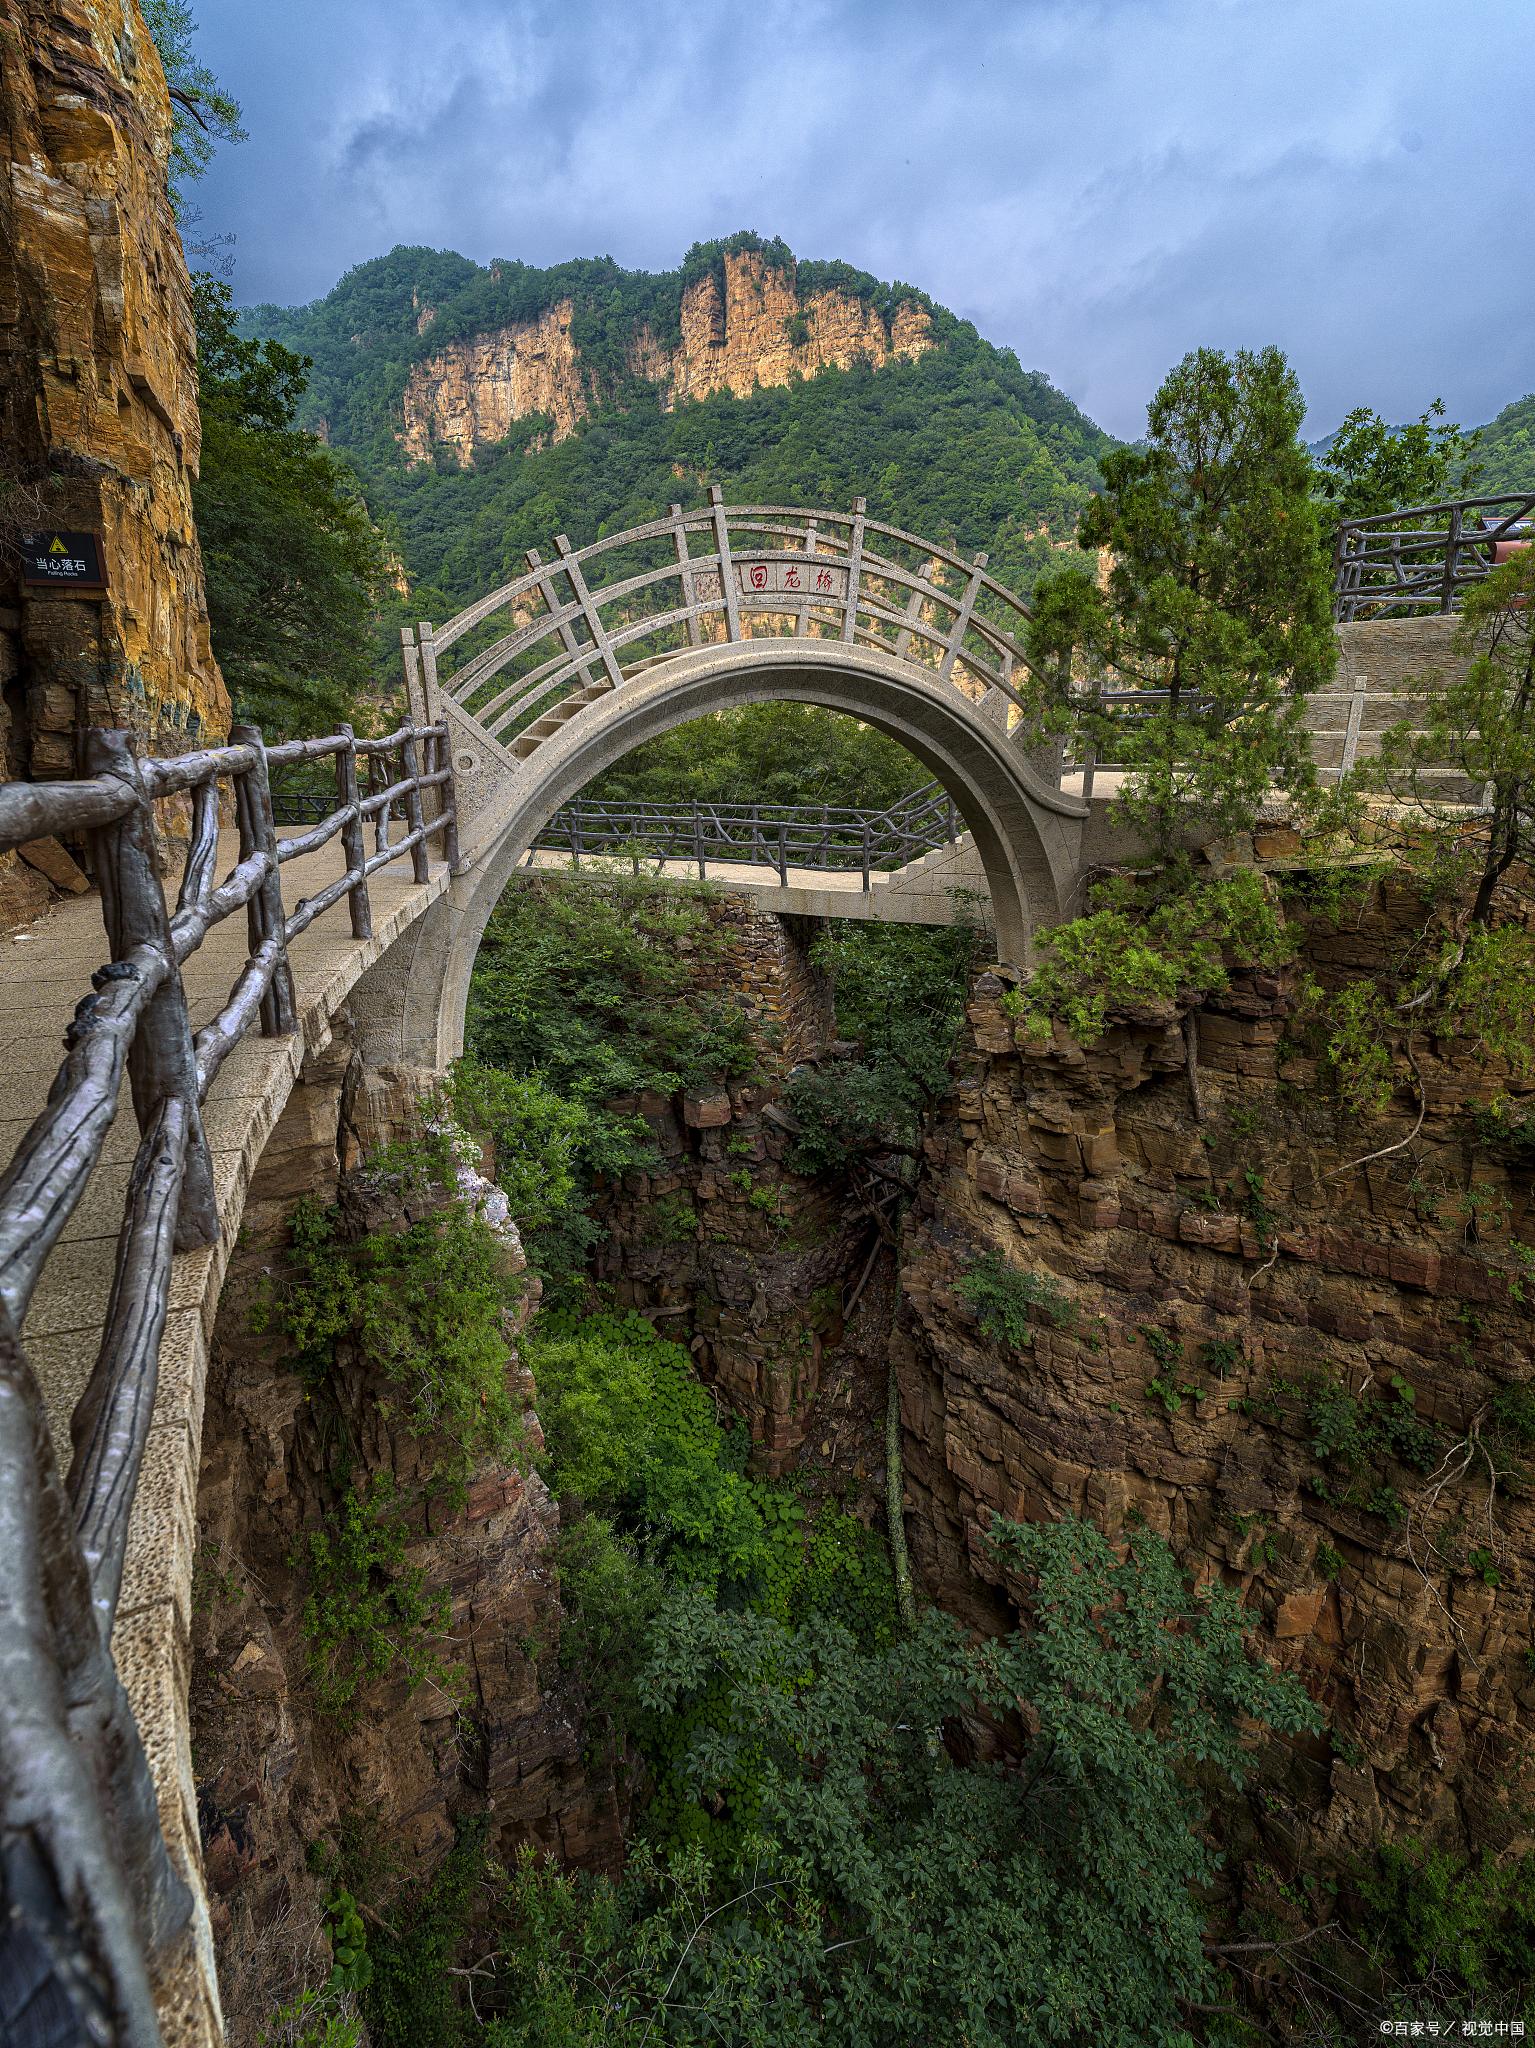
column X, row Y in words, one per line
column 93, row 1897
column 824, row 837
column 1426, row 557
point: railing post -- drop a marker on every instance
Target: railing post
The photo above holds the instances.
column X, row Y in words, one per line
column 854, row 569
column 698, row 843
column 728, row 591
column 689, row 583
column 866, row 856
column 783, row 853
column 264, row 916
column 161, row 1061
column 415, row 821
column 1451, row 552
column 442, row 761
column 352, row 841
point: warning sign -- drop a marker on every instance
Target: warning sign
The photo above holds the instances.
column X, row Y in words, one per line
column 65, row 561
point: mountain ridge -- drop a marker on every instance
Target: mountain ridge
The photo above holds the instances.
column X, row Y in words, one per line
column 782, row 379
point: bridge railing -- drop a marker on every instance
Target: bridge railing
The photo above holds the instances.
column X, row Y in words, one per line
column 75, row 1789
column 588, row 620
column 1424, row 559
column 825, row 837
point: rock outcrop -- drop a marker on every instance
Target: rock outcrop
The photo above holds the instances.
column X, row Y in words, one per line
column 275, row 1774
column 98, row 400
column 1237, row 1330
column 746, row 327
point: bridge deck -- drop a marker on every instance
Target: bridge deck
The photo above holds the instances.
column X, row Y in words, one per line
column 46, row 971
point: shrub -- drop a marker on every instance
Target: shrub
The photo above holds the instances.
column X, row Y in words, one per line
column 1005, row 1299
column 367, row 1611
column 1136, row 948
column 426, row 1307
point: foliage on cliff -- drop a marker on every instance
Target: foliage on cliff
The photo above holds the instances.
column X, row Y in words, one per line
column 887, row 1882
column 960, row 445
column 1165, row 939
column 899, row 998
column 590, row 996
column 294, row 564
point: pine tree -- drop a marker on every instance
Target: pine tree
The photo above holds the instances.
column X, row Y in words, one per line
column 1217, row 600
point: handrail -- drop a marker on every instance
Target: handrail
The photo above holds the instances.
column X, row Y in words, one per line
column 1424, row 558
column 824, row 837
column 708, row 574
column 75, row 1785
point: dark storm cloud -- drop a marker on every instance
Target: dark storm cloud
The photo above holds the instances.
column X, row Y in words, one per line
column 1099, row 184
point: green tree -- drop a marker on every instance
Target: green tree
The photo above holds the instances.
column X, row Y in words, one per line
column 1481, row 724
column 294, row 565
column 1217, row 598
column 887, row 1891
column 1369, row 467
column 899, row 996
column 202, row 113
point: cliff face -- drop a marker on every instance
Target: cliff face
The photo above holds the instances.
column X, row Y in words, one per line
column 274, row 1773
column 753, row 329
column 98, row 396
column 1305, row 1373
column 723, row 1245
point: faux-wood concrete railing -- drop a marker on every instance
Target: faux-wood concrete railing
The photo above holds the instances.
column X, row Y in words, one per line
column 1425, row 557
column 93, row 1900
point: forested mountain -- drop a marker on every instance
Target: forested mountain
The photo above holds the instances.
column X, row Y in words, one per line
column 1506, row 450
column 486, row 410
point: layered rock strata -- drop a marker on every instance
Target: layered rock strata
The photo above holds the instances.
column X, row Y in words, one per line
column 98, row 402
column 1236, row 1325
column 746, row 328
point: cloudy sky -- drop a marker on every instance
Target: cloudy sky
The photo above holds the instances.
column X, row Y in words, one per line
column 1098, row 184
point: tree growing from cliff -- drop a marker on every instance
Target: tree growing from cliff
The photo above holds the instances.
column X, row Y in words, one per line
column 1480, row 724
column 202, row 113
column 1217, row 602
column 294, row 565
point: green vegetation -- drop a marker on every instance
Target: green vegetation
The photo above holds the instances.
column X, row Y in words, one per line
column 959, row 445
column 1468, row 971
column 1465, row 1923
column 294, row 565
column 765, row 754
column 1368, row 467
column 1506, row 450
column 1218, row 597
column 367, row 1610
column 899, row 995
column 1152, row 941
column 426, row 1305
column 1005, row 1299
column 878, row 1888
column 585, row 996
column 1481, row 725
column 202, row 113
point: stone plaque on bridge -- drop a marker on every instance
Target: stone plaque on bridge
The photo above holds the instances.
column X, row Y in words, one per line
column 811, row 580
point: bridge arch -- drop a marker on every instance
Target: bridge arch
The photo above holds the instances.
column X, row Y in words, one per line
column 1026, row 832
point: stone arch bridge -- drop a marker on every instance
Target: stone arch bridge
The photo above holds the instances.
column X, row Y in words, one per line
column 184, row 1028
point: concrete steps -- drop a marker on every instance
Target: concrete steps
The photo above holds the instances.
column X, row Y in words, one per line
column 529, row 741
